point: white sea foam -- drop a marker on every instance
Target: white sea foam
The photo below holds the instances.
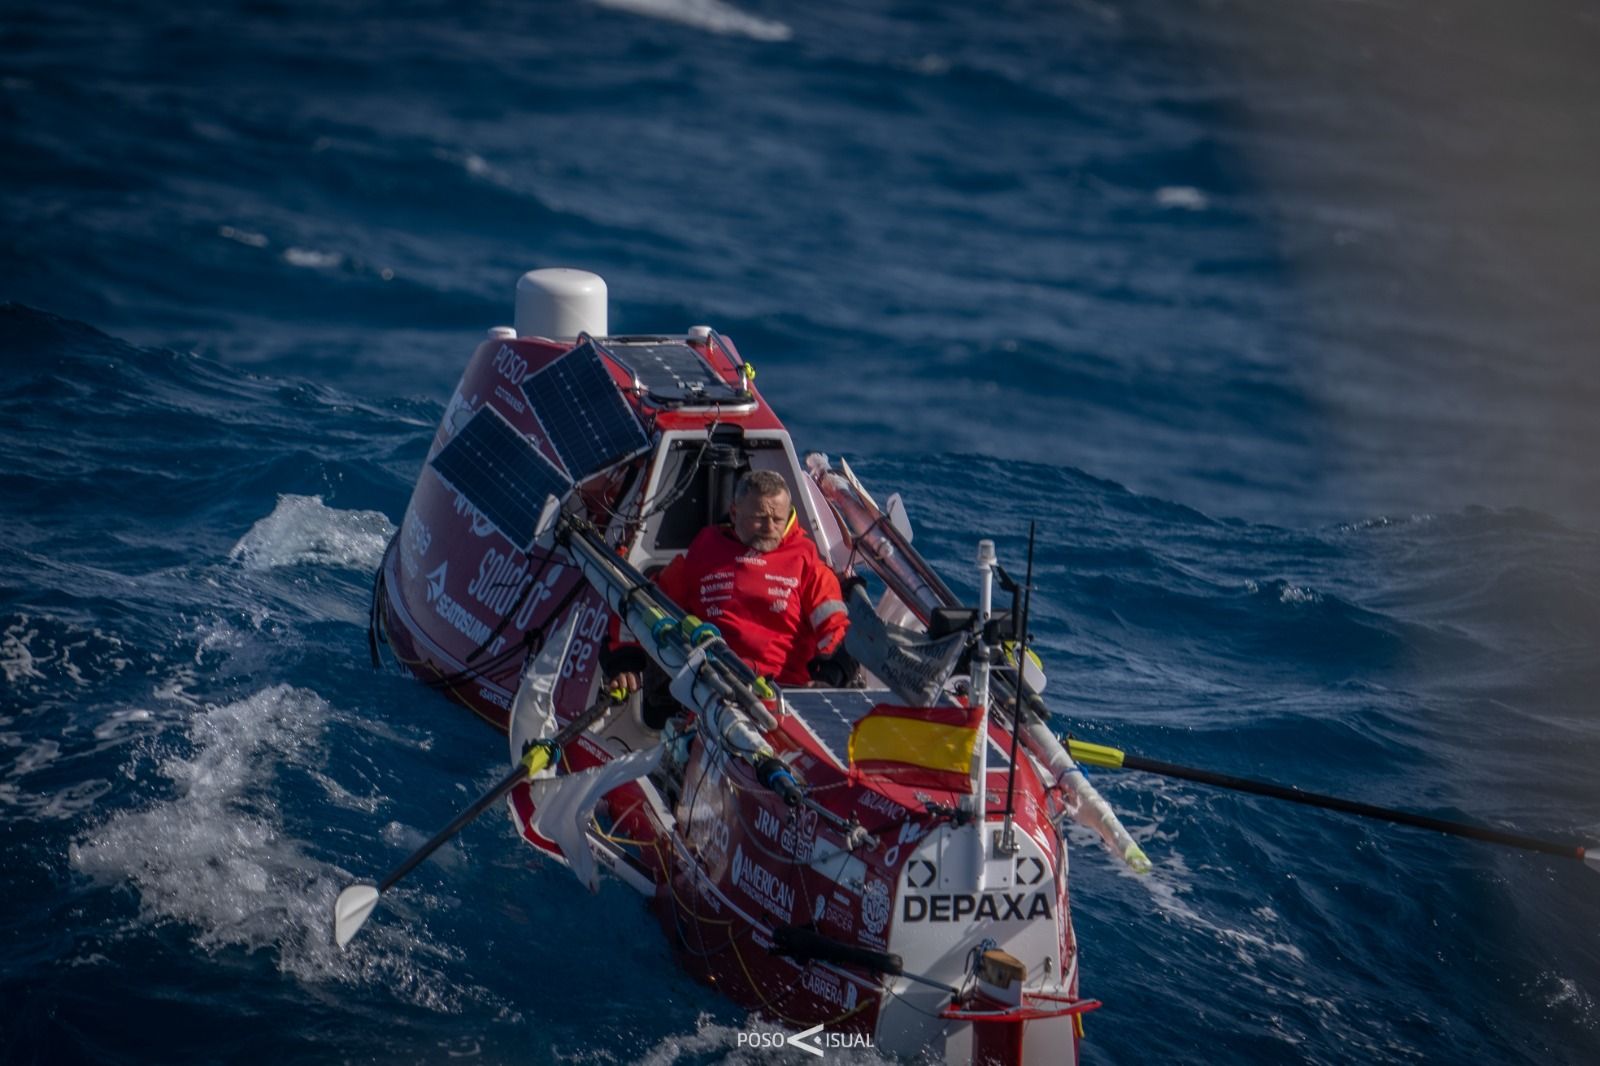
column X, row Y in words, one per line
column 410, row 838
column 62, row 805
column 715, row 16
column 218, row 858
column 311, row 258
column 1287, row 593
column 1384, row 522
column 243, row 236
column 1182, row 197
column 28, row 659
column 1565, row 996
column 38, row 754
column 304, row 530
column 174, row 688
column 16, row 654
column 1170, row 882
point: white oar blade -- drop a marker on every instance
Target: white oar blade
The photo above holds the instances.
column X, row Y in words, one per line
column 1591, row 856
column 350, row 911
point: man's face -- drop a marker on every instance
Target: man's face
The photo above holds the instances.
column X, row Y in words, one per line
column 758, row 521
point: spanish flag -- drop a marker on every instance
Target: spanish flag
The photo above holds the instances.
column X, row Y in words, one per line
column 918, row 747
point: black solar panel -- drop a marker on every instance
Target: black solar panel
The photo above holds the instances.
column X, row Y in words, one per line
column 831, row 713
column 501, row 474
column 586, row 418
column 674, row 373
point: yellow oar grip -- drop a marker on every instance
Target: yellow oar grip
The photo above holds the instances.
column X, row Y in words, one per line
column 1094, row 754
column 537, row 759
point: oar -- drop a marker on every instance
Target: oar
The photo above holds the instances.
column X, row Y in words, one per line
column 1100, row 755
column 354, row 905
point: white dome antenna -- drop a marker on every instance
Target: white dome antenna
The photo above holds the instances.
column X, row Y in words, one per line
column 560, row 303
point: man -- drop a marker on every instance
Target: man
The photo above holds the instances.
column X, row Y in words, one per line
column 759, row 580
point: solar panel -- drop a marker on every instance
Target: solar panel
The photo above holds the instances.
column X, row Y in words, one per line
column 674, row 373
column 585, row 417
column 501, row 474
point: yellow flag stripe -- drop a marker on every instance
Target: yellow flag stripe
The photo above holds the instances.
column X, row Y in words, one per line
column 910, row 740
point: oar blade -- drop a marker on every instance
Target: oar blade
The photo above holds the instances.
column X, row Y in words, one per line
column 1591, row 858
column 350, row 911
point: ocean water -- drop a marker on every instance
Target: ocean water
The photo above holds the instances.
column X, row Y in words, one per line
column 1278, row 318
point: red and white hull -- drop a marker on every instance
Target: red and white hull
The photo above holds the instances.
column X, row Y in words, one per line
column 862, row 910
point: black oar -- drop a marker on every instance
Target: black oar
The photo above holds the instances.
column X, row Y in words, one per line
column 354, row 905
column 1100, row 755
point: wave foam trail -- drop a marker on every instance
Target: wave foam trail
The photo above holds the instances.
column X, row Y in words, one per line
column 304, row 530
column 712, row 15
column 218, row 858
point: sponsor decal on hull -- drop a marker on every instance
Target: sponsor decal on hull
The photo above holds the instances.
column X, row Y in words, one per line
column 414, row 544
column 510, row 365
column 708, row 830
column 767, row 824
column 833, row 909
column 829, row 987
column 990, row 906
column 587, row 635
column 481, row 526
column 874, row 801
column 455, row 615
column 874, row 908
column 762, row 885
column 799, row 835
column 510, row 399
column 456, row 414
column 503, row 579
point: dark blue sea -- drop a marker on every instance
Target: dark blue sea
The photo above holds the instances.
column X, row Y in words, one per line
column 1279, row 317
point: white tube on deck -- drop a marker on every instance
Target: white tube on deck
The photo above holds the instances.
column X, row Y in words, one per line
column 1084, row 802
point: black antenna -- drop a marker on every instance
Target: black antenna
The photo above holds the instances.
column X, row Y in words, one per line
column 1009, row 840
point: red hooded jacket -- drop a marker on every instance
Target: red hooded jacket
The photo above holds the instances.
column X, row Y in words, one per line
column 777, row 610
